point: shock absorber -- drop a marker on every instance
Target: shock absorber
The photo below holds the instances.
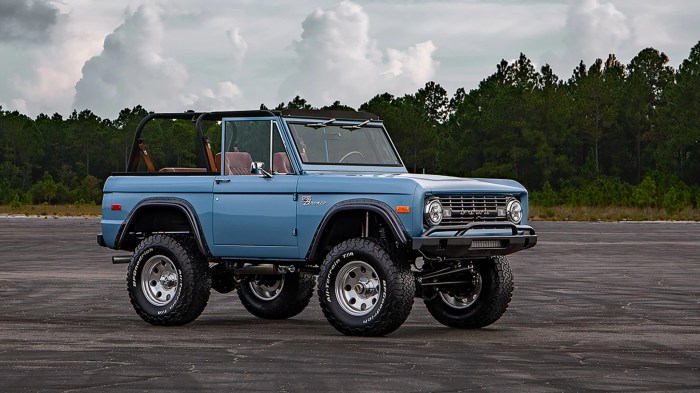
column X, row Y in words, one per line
column 382, row 236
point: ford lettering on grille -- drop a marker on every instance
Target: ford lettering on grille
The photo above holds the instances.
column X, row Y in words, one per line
column 477, row 213
column 464, row 209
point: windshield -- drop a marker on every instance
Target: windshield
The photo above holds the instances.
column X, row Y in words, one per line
column 325, row 144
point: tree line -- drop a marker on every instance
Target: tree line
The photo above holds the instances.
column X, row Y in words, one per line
column 610, row 134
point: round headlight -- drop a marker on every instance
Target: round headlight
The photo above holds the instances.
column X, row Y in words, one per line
column 515, row 211
column 433, row 211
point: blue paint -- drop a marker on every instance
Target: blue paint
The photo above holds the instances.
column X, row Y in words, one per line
column 257, row 217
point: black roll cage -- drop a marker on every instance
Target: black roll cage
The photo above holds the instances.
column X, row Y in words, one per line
column 198, row 117
column 195, row 117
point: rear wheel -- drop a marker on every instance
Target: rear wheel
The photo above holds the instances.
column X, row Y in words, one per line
column 168, row 280
column 362, row 291
column 480, row 299
column 277, row 296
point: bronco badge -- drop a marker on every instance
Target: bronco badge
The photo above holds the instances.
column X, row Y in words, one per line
column 307, row 201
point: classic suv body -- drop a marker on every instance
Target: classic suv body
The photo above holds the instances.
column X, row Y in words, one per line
column 298, row 189
column 277, row 217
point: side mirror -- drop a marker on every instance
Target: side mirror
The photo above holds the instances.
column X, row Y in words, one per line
column 257, row 168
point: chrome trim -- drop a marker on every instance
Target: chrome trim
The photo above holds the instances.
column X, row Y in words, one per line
column 465, row 209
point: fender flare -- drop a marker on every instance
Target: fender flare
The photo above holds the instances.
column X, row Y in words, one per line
column 171, row 202
column 372, row 205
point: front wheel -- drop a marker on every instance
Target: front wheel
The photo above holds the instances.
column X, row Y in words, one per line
column 480, row 299
column 362, row 291
column 168, row 280
column 277, row 296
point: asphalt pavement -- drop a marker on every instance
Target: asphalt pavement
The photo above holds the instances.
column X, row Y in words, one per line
column 597, row 307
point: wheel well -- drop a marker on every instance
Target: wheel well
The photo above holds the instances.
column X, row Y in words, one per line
column 151, row 219
column 354, row 223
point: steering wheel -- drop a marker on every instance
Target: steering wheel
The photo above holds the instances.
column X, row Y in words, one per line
column 351, row 153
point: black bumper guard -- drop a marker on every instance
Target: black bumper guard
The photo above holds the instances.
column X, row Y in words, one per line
column 461, row 246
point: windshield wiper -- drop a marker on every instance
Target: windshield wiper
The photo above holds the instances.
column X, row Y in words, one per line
column 355, row 126
column 320, row 125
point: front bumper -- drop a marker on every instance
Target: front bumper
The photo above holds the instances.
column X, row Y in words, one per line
column 475, row 240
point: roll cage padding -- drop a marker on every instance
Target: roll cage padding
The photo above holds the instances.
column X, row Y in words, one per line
column 209, row 155
column 146, row 157
column 380, row 208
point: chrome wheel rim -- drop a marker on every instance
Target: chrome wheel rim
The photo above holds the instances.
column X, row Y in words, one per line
column 357, row 288
column 159, row 280
column 267, row 289
column 462, row 301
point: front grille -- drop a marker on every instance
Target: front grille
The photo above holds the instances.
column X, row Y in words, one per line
column 465, row 209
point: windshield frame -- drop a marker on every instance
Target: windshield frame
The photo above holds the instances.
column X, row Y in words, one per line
column 327, row 166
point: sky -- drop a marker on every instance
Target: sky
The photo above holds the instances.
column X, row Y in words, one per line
column 175, row 55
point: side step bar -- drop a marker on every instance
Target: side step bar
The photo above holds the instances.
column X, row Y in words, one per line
column 121, row 259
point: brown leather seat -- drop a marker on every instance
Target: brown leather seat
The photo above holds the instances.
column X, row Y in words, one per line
column 281, row 164
column 236, row 163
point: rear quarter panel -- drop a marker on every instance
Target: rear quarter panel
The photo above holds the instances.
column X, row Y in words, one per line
column 127, row 191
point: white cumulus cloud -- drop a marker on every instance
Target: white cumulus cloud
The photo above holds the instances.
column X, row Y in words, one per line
column 132, row 69
column 595, row 29
column 55, row 69
column 416, row 63
column 338, row 60
column 216, row 99
column 240, row 46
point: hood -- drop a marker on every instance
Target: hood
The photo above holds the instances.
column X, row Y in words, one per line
column 404, row 183
column 441, row 184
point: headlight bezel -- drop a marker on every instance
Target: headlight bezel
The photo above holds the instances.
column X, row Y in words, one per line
column 514, row 211
column 433, row 212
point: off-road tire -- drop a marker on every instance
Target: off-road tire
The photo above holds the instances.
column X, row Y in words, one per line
column 489, row 306
column 292, row 298
column 190, row 293
column 392, row 282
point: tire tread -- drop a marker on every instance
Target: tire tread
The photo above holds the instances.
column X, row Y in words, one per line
column 286, row 305
column 400, row 299
column 490, row 310
column 195, row 272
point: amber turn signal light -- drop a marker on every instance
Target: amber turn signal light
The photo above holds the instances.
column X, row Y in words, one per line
column 403, row 209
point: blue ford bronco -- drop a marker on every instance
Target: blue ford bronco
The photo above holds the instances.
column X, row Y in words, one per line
column 273, row 204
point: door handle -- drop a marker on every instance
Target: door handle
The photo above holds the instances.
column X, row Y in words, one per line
column 219, row 181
